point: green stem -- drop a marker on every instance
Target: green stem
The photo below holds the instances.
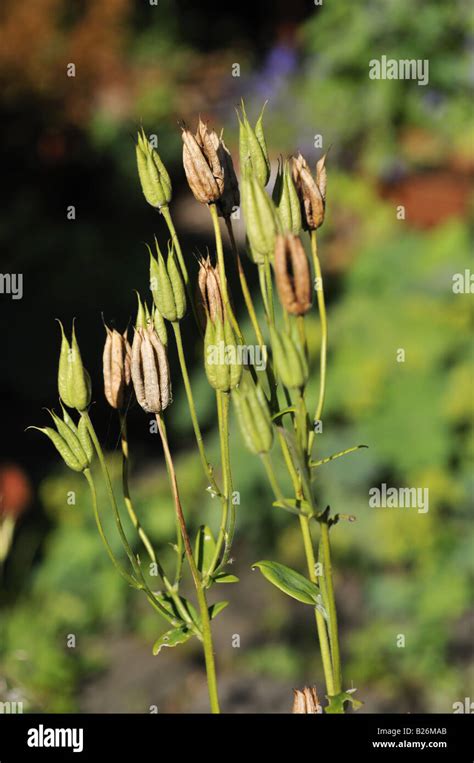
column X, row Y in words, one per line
column 228, row 510
column 174, row 237
column 222, row 273
column 201, row 596
column 272, row 478
column 110, row 492
column 133, row 561
column 324, row 334
column 131, row 580
column 192, row 409
column 171, row 590
column 244, row 285
column 126, row 490
column 327, row 571
column 320, row 622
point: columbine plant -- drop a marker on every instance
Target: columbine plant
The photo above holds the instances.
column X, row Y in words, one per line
column 270, row 399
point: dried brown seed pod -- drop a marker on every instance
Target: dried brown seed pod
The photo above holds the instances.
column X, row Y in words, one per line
column 116, row 367
column 230, row 198
column 209, row 303
column 150, row 371
column 306, row 700
column 202, row 164
column 311, row 191
column 292, row 274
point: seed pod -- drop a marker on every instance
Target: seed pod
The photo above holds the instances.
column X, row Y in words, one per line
column 311, row 192
column 81, row 432
column 74, row 457
column 203, row 168
column 74, row 382
column 221, row 357
column 286, row 200
column 166, row 285
column 289, row 359
column 253, row 415
column 253, row 148
column 116, row 367
column 292, row 274
column 261, row 219
column 150, row 371
column 306, row 701
column 209, row 303
column 230, row 199
column 154, row 179
column 159, row 326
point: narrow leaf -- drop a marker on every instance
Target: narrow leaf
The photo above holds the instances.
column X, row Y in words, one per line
column 290, row 582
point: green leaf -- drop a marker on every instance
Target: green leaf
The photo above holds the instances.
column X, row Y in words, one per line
column 290, row 582
column 336, row 702
column 224, row 577
column 214, row 609
column 171, row 638
column 204, row 549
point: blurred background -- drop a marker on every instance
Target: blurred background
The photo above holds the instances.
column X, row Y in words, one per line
column 70, row 141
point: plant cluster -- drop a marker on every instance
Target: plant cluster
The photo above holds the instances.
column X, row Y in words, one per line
column 269, row 397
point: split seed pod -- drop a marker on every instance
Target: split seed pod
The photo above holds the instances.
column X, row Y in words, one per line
column 253, row 415
column 292, row 275
column 116, row 367
column 311, row 191
column 150, row 371
column 202, row 165
column 306, row 701
column 72, row 442
column 209, row 303
column 74, row 382
column 154, row 178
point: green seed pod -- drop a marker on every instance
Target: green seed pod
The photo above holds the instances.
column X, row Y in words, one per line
column 154, row 179
column 74, row 383
column 253, row 149
column 261, row 219
column 221, row 357
column 289, row 359
column 70, row 435
column 286, row 199
column 253, row 415
column 166, row 285
column 140, row 321
column 63, row 448
column 85, row 440
column 81, row 431
column 159, row 326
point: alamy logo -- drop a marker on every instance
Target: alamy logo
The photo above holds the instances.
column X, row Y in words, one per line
column 46, row 737
column 408, row 68
column 12, row 283
column 384, row 497
column 237, row 355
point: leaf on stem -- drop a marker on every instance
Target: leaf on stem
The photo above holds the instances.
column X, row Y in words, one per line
column 337, row 702
column 224, row 577
column 291, row 582
column 204, row 549
column 172, row 638
column 216, row 608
